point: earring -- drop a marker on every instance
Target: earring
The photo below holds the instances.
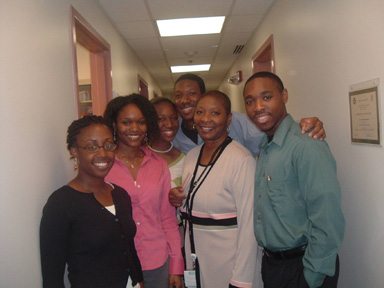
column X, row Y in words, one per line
column 228, row 129
column 75, row 166
column 114, row 135
column 145, row 140
column 194, row 126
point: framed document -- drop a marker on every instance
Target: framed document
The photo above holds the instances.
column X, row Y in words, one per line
column 364, row 108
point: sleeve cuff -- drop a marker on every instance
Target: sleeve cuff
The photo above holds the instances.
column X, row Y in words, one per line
column 176, row 266
column 313, row 279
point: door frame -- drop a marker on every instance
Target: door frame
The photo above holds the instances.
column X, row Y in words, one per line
column 264, row 58
column 100, row 60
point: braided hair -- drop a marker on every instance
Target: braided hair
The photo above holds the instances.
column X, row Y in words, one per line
column 76, row 126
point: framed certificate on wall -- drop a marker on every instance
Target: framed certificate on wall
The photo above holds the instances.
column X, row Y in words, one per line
column 364, row 109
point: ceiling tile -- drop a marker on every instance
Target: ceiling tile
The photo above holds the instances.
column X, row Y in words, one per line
column 243, row 23
column 123, row 10
column 195, row 61
column 145, row 44
column 244, row 7
column 169, row 9
column 183, row 53
column 136, row 29
column 190, row 43
column 240, row 38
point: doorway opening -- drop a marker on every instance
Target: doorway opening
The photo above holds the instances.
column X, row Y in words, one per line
column 264, row 58
column 93, row 94
column 143, row 87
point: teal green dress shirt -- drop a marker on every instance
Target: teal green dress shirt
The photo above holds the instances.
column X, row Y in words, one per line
column 297, row 199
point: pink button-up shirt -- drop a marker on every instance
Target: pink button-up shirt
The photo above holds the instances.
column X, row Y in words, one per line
column 158, row 235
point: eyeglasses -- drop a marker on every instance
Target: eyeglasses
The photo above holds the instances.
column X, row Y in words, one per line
column 95, row 148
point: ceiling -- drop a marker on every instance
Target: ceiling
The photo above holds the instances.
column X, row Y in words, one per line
column 136, row 21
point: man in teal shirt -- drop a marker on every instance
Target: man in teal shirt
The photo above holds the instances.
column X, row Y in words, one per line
column 297, row 218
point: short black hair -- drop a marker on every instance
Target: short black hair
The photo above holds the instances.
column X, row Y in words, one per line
column 266, row 74
column 220, row 95
column 193, row 77
column 159, row 100
column 145, row 106
column 76, row 126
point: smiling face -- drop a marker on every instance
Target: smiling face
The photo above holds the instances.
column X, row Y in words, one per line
column 265, row 104
column 211, row 119
column 131, row 126
column 187, row 93
column 95, row 164
column 168, row 121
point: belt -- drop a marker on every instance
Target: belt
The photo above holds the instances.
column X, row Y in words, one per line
column 286, row 254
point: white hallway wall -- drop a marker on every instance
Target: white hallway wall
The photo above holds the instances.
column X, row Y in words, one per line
column 322, row 47
column 36, row 107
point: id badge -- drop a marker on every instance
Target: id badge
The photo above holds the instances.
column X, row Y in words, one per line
column 190, row 278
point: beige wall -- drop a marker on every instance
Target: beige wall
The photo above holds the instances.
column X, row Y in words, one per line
column 36, row 106
column 322, row 47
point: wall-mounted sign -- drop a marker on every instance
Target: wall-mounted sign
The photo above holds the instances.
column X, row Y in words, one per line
column 364, row 108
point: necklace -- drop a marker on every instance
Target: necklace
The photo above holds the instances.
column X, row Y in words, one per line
column 131, row 164
column 160, row 151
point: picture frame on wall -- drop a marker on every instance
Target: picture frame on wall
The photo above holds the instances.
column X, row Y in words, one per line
column 364, row 111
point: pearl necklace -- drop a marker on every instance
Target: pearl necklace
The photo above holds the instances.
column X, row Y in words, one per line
column 160, row 151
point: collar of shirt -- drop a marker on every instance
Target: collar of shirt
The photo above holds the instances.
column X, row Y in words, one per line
column 280, row 134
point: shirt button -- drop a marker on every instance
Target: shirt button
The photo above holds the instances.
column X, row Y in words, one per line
column 258, row 217
column 138, row 205
column 139, row 241
column 116, row 220
column 138, row 186
column 138, row 223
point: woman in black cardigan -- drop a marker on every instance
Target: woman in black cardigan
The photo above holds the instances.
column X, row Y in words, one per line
column 88, row 223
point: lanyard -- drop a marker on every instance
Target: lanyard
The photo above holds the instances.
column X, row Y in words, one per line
column 194, row 187
column 192, row 191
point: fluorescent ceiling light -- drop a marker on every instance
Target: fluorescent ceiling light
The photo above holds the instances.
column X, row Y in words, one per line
column 190, row 68
column 190, row 26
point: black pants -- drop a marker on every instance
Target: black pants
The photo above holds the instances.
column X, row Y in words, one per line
column 290, row 274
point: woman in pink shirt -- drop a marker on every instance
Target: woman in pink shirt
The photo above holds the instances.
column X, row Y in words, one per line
column 146, row 178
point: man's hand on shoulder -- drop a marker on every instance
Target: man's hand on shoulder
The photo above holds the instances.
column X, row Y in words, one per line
column 316, row 125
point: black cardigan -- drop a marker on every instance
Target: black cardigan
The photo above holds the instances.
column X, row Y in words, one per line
column 97, row 246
